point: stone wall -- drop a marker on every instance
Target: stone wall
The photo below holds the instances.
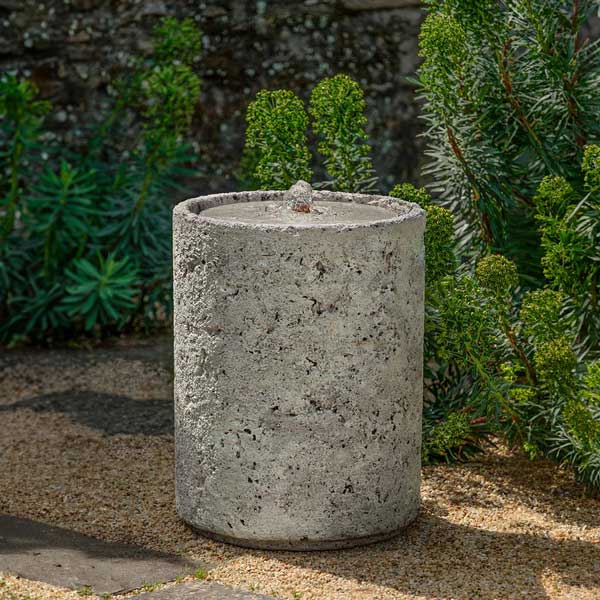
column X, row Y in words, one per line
column 73, row 49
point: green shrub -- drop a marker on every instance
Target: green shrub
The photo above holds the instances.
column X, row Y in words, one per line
column 276, row 134
column 86, row 238
column 502, row 361
column 512, row 115
column 439, row 232
column 102, row 292
column 21, row 116
column 337, row 106
column 276, row 153
column 450, row 439
column 179, row 41
column 569, row 226
column 510, row 97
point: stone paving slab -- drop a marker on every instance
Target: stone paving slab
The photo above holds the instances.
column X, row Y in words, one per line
column 200, row 590
column 68, row 559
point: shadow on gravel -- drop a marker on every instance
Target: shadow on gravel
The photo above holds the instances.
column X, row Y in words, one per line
column 435, row 558
column 538, row 485
column 104, row 412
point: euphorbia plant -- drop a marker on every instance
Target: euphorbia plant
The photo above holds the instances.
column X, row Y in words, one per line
column 510, row 97
column 85, row 241
column 276, row 153
column 500, row 360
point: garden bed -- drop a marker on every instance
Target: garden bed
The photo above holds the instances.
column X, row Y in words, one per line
column 86, row 444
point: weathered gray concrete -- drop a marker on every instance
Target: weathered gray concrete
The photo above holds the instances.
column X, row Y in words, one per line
column 298, row 372
column 65, row 558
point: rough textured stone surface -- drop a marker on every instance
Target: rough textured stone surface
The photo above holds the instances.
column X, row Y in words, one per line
column 68, row 559
column 298, row 374
column 299, row 197
column 74, row 50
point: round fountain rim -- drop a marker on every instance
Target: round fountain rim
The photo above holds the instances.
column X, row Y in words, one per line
column 191, row 209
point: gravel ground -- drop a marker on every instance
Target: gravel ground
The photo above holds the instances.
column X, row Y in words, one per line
column 99, row 460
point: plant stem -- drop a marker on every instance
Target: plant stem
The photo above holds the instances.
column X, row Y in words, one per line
column 488, row 236
column 510, row 334
column 144, row 191
column 505, row 77
column 13, row 194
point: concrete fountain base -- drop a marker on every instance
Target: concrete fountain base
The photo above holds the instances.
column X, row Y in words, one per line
column 298, row 368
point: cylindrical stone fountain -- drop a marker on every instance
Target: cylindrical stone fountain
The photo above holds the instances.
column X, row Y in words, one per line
column 298, row 366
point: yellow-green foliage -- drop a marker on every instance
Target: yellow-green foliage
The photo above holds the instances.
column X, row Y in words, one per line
column 276, row 132
column 541, row 315
column 581, row 424
column 478, row 12
column 19, row 102
column 410, row 193
column 465, row 327
column 172, row 92
column 443, row 46
column 570, row 239
column 591, row 382
column 554, row 197
column 497, row 275
column 21, row 115
column 442, row 40
column 439, row 232
column 447, row 439
column 523, row 395
column 169, row 88
column 337, row 106
column 591, row 167
column 555, row 363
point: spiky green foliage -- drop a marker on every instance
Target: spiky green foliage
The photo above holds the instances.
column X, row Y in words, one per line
column 21, row 115
column 524, row 378
column 512, row 113
column 510, row 91
column 337, row 107
column 276, row 155
column 58, row 215
column 90, row 249
column 176, row 40
column 439, row 232
column 570, row 239
column 101, row 293
column 501, row 361
column 276, row 134
column 451, row 439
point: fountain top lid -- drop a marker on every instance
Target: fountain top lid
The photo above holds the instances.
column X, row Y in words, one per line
column 300, row 207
